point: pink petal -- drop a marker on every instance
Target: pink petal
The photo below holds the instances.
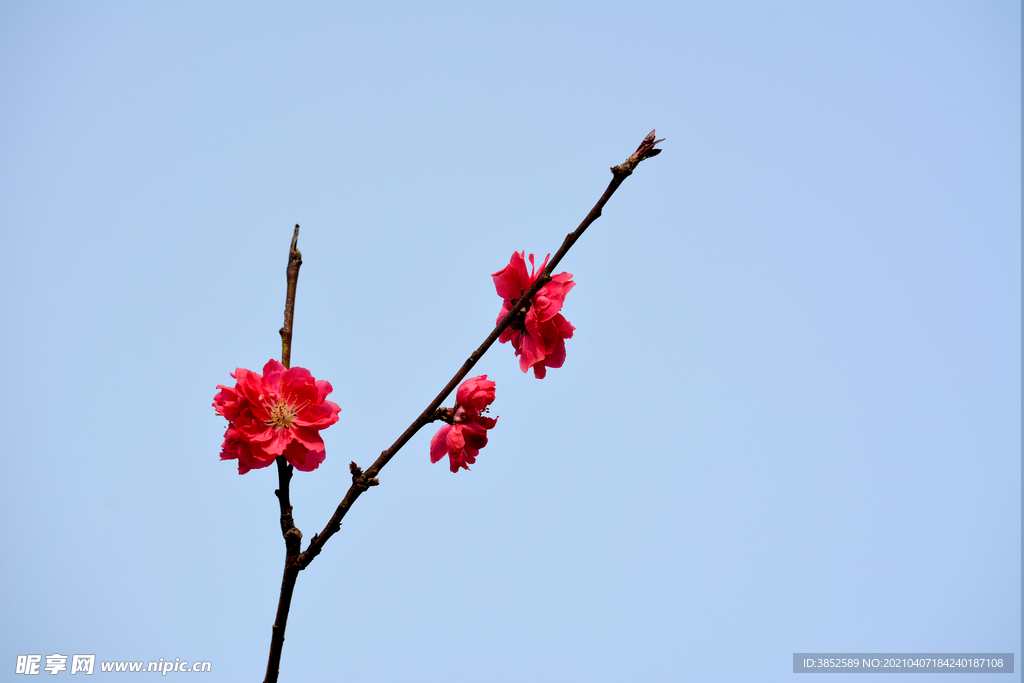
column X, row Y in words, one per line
column 474, row 436
column 511, row 281
column 439, row 444
column 532, row 353
column 476, row 393
column 252, row 458
column 486, row 422
column 250, row 385
column 318, row 417
column 566, row 329
column 253, row 430
column 455, row 440
column 535, row 329
column 310, row 438
column 508, row 334
column 302, row 459
column 323, row 389
column 272, row 372
column 551, row 297
column 278, row 441
column 312, row 461
column 556, row 357
column 227, row 402
column 296, row 374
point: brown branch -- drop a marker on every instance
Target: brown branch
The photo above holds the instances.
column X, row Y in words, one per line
column 360, row 480
column 291, row 533
column 294, row 263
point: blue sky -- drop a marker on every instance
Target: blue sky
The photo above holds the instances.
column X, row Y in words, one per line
column 789, row 419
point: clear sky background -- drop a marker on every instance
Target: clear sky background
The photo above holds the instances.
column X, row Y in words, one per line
column 789, row 420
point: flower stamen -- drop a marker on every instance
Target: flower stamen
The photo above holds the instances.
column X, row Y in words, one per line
column 283, row 414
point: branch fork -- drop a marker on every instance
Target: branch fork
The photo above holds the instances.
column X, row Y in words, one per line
column 296, row 561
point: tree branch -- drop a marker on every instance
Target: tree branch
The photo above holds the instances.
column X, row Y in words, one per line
column 291, row 533
column 361, row 481
column 294, row 263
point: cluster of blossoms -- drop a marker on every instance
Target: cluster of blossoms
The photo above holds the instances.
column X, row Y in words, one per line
column 538, row 334
column 462, row 439
column 280, row 412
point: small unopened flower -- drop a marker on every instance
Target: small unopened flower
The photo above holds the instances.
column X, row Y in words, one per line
column 462, row 440
column 280, row 412
column 538, row 334
column 646, row 149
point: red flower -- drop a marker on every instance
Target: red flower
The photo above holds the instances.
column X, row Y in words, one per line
column 538, row 334
column 278, row 413
column 463, row 439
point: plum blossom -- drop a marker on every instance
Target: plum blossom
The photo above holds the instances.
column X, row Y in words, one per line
column 538, row 334
column 280, row 412
column 462, row 440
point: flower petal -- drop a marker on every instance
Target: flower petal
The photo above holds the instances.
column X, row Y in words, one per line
column 512, row 280
column 323, row 390
column 310, row 438
column 455, row 441
column 551, row 297
column 474, row 437
column 302, row 459
column 272, row 372
column 531, row 353
column 439, row 444
column 278, row 441
column 556, row 358
column 475, row 394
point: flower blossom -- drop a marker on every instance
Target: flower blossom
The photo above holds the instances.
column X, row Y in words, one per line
column 462, row 440
column 280, row 412
column 539, row 332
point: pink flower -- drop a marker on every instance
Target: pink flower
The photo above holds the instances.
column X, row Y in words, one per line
column 280, row 412
column 462, row 440
column 539, row 334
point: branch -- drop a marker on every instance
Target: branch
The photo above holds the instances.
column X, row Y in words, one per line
column 291, row 533
column 362, row 481
column 284, row 470
column 294, row 263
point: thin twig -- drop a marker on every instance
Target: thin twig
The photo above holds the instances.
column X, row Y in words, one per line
column 294, row 263
column 362, row 481
column 291, row 533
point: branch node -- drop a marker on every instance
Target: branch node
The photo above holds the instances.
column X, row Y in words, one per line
column 292, row 541
column 444, row 414
column 360, row 480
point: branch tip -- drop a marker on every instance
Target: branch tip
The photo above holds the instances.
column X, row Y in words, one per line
column 646, row 150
